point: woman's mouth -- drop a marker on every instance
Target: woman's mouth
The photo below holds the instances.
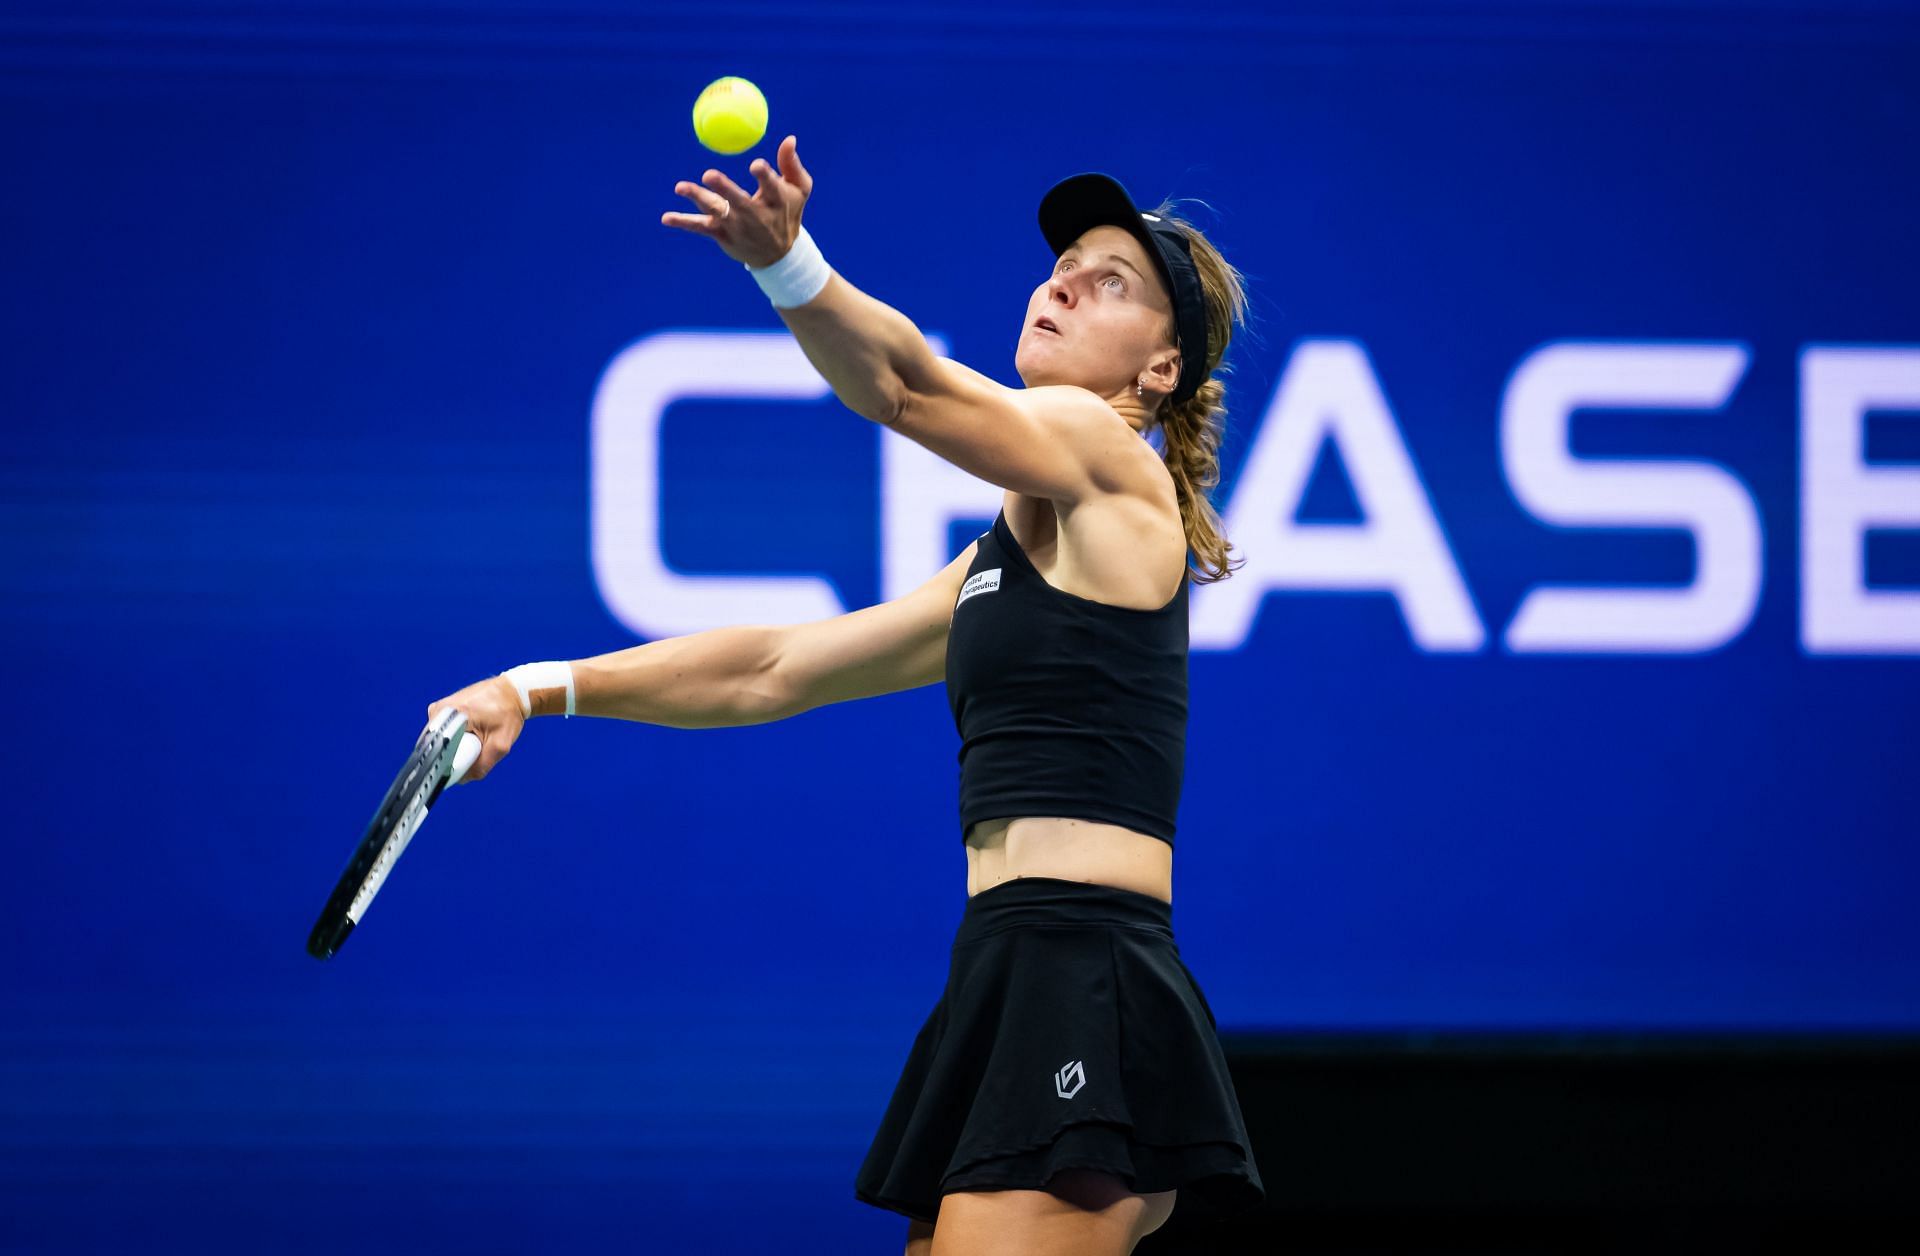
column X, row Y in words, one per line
column 1046, row 324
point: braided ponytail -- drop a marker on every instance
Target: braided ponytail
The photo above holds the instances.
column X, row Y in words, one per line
column 1191, row 430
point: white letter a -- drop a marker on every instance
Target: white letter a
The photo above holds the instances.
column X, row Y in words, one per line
column 1329, row 393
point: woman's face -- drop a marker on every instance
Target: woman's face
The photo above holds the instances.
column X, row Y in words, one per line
column 1101, row 320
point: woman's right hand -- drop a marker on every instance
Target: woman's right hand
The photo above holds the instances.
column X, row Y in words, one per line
column 492, row 708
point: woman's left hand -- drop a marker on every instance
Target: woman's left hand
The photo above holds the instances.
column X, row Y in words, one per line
column 756, row 230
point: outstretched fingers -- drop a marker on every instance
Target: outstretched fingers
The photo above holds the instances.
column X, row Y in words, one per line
column 725, row 188
column 699, row 224
column 716, row 205
column 790, row 167
column 781, row 190
column 707, row 199
column 772, row 189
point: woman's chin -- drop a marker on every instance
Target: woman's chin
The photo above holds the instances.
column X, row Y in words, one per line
column 1035, row 368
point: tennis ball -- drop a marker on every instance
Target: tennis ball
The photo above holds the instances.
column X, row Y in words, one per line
column 730, row 116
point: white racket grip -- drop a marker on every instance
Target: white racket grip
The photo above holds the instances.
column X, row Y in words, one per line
column 463, row 757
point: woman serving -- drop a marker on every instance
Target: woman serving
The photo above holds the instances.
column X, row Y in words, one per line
column 1069, row 1082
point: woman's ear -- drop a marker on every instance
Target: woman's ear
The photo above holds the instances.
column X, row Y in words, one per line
column 1164, row 368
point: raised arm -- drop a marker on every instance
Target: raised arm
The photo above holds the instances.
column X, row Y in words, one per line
column 1059, row 442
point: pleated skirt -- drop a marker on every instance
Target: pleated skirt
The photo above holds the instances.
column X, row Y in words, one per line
column 1069, row 1036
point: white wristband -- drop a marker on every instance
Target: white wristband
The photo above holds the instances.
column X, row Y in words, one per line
column 796, row 278
column 531, row 676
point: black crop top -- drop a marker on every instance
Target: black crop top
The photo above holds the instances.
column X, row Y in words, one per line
column 1065, row 706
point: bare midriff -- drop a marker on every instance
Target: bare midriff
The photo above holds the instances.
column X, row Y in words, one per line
column 1069, row 850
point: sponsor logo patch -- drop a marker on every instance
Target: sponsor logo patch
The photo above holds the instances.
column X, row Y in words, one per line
column 979, row 582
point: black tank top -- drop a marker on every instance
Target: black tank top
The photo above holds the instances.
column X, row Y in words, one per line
column 1065, row 706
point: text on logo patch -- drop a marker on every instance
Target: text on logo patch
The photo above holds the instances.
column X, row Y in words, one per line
column 979, row 582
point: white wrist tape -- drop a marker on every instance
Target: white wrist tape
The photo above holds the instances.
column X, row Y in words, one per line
column 531, row 676
column 796, row 278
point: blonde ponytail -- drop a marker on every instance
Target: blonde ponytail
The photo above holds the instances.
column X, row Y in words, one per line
column 1191, row 430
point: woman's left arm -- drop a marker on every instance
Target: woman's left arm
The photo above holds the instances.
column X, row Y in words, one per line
column 872, row 354
column 1049, row 442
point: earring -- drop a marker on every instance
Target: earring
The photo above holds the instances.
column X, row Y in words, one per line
column 1139, row 389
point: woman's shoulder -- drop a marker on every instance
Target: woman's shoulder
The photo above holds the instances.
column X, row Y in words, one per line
column 1119, row 548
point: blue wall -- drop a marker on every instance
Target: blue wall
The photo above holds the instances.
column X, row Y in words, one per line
column 310, row 317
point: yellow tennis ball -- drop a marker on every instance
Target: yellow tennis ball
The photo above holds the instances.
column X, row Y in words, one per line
column 730, row 116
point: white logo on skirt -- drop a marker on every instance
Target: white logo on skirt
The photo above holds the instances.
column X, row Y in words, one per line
column 1068, row 1081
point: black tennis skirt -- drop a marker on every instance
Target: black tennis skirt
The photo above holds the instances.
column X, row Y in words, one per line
column 1070, row 1036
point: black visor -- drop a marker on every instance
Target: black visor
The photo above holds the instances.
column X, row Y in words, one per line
column 1076, row 206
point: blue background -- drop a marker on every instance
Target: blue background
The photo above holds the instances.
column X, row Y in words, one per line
column 304, row 312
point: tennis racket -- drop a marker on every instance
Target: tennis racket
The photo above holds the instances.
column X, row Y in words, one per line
column 440, row 758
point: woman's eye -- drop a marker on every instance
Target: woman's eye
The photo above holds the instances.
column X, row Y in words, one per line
column 1115, row 279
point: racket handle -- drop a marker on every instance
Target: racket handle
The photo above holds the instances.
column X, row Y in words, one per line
column 463, row 757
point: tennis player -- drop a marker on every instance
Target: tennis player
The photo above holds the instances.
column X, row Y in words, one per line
column 1069, row 1084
